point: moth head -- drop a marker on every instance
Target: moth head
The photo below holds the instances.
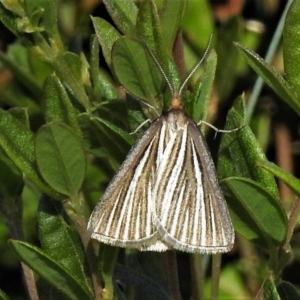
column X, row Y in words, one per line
column 176, row 95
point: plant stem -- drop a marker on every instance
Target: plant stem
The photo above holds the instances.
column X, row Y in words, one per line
column 197, row 275
column 75, row 213
column 108, row 259
column 216, row 265
column 12, row 211
column 172, row 275
column 92, row 262
column 269, row 56
column 30, row 282
column 293, row 220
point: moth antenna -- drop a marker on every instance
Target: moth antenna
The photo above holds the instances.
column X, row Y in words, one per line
column 197, row 65
column 160, row 68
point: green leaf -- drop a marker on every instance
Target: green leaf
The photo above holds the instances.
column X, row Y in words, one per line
column 21, row 72
column 60, row 158
column 14, row 6
column 227, row 290
column 3, row 296
column 292, row 182
column 11, row 178
column 58, row 106
column 49, row 269
column 75, row 65
column 287, row 291
column 201, row 95
column 61, row 241
column 136, row 70
column 97, row 137
column 103, row 88
column 148, row 27
column 21, row 114
column 18, row 143
column 256, row 214
column 291, row 48
column 124, row 13
column 106, row 35
column 48, row 16
column 171, row 16
column 68, row 68
column 11, row 187
column 239, row 151
column 198, row 14
column 228, row 58
column 270, row 292
column 8, row 19
column 271, row 77
column 125, row 135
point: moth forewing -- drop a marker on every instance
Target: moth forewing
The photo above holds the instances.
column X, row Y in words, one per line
column 188, row 208
column 222, row 232
column 122, row 217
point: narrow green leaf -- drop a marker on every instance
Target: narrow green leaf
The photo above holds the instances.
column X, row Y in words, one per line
column 148, row 27
column 3, row 296
column 49, row 269
column 291, row 46
column 228, row 58
column 147, row 23
column 256, row 214
column 57, row 104
column 271, row 77
column 8, row 19
column 103, row 87
column 75, row 64
column 55, row 234
column 124, row 13
column 60, row 158
column 68, row 70
column 11, row 178
column 47, row 18
column 292, row 182
column 239, row 151
column 136, row 70
column 201, row 95
column 18, row 143
column 270, row 292
column 11, row 188
column 106, row 35
column 171, row 16
column 287, row 291
column 125, row 135
column 198, row 14
column 96, row 143
column 21, row 114
column 22, row 74
column 13, row 96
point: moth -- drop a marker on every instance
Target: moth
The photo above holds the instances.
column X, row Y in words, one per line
column 166, row 193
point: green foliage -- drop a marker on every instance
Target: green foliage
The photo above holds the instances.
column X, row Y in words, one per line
column 68, row 127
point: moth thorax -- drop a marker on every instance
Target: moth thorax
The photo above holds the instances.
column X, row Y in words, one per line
column 176, row 119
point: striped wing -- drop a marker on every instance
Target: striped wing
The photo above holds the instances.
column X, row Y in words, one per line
column 123, row 216
column 189, row 210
